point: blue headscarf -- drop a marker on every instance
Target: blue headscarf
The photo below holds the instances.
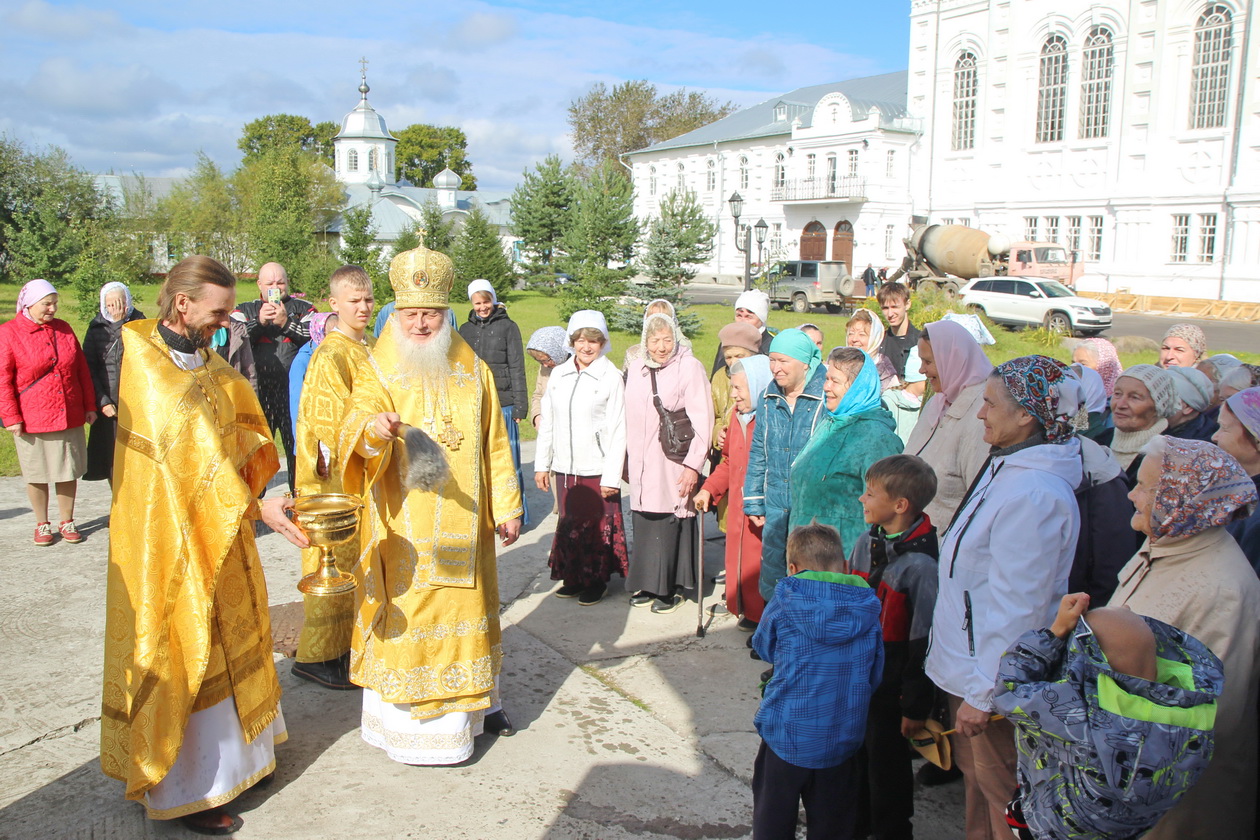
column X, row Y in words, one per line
column 863, row 393
column 798, row 345
column 757, row 369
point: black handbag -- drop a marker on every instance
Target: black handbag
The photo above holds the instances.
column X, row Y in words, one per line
column 676, row 431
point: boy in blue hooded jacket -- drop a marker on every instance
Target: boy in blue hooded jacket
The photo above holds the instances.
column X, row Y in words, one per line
column 821, row 633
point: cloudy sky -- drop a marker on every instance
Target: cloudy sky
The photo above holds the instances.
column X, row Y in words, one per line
column 140, row 85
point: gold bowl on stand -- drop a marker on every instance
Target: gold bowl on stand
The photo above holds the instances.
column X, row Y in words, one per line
column 327, row 520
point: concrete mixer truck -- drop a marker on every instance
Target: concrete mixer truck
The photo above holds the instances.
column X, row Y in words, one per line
column 947, row 256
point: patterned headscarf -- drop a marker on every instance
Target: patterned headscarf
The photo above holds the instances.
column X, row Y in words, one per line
column 1200, row 486
column 1160, row 386
column 1045, row 388
column 319, row 327
column 552, row 341
column 798, row 345
column 1109, row 366
column 1245, row 405
column 1191, row 335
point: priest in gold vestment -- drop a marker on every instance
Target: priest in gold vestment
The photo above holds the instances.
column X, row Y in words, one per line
column 426, row 644
column 190, row 708
column 323, row 651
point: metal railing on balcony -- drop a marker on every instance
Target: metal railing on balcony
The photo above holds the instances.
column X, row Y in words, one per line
column 840, row 188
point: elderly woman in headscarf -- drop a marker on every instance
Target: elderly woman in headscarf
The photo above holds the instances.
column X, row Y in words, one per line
column 582, row 441
column 1191, row 574
column 1216, row 368
column 866, row 332
column 658, row 306
column 1097, row 405
column 830, row 473
column 1239, row 379
column 749, row 378
column 1192, row 420
column 949, row 435
column 1184, row 345
column 790, row 411
column 1141, row 403
column 1099, row 354
column 102, row 348
column 549, row 347
column 46, row 397
column 665, row 380
column 1239, row 435
column 1004, row 566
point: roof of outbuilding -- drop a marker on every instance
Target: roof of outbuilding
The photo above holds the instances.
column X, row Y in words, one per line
column 886, row 92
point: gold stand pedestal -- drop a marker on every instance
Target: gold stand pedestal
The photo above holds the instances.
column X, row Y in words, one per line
column 327, row 520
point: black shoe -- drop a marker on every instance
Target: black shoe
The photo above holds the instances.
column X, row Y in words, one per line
column 333, row 673
column 592, row 594
column 747, row 625
column 664, row 606
column 929, row 775
column 497, row 723
column 720, row 577
column 568, row 591
column 642, row 599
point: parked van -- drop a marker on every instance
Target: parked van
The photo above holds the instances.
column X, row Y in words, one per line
column 804, row 284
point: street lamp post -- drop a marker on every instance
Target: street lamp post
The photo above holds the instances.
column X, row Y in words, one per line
column 737, row 209
column 759, row 230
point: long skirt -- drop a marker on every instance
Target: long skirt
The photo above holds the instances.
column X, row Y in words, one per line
column 664, row 553
column 441, row 740
column 100, row 449
column 590, row 542
column 514, row 440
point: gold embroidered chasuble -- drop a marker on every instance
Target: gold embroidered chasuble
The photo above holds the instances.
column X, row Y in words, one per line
column 187, row 624
column 427, row 618
column 327, row 620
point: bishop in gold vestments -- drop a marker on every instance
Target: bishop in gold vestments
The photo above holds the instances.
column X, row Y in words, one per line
column 426, row 644
column 327, row 619
column 190, row 708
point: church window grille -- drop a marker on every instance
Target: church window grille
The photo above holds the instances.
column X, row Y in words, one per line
column 1209, row 78
column 1097, row 69
column 352, row 160
column 965, row 88
column 1052, row 90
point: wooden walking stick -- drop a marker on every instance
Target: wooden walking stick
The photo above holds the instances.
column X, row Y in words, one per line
column 700, row 574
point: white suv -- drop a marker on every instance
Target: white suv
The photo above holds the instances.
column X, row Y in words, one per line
column 1035, row 302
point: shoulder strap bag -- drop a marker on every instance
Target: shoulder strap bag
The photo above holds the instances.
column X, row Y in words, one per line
column 676, row 431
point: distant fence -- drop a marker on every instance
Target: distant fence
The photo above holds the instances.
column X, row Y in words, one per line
column 1223, row 310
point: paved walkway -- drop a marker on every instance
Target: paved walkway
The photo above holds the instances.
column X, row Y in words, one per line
column 630, row 725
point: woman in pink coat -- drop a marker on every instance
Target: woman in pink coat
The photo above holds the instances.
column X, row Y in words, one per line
column 749, row 378
column 46, row 397
column 664, row 519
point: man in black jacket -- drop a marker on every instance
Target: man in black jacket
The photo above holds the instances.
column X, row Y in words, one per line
column 277, row 326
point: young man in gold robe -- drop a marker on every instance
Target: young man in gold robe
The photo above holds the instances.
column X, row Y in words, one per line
column 426, row 644
column 190, row 710
column 323, row 652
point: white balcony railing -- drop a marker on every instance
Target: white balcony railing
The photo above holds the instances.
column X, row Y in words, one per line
column 840, row 188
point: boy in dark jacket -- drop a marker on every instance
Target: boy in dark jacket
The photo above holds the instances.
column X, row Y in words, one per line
column 898, row 559
column 821, row 634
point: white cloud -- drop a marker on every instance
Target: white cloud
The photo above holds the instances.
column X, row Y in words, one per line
column 99, row 89
column 433, row 82
column 482, row 29
column 44, row 20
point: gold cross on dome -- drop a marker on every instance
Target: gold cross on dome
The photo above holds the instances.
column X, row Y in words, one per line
column 451, row 437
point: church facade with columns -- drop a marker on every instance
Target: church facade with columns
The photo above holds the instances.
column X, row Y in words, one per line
column 1128, row 132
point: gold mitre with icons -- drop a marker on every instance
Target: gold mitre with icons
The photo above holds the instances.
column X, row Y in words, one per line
column 422, row 279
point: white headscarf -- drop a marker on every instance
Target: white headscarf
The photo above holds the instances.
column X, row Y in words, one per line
column 757, row 302
column 652, row 324
column 587, row 319
column 1095, row 394
column 482, row 286
column 115, row 286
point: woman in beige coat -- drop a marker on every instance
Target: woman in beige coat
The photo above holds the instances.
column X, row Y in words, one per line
column 1191, row 574
column 949, row 435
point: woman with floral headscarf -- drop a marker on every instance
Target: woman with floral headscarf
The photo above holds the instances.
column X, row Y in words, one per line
column 1191, row 574
column 665, row 378
column 102, row 348
column 1239, row 435
column 549, row 346
column 46, row 397
column 1099, row 354
column 1004, row 565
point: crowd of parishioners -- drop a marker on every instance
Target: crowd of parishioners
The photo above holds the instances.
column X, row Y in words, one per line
column 890, row 490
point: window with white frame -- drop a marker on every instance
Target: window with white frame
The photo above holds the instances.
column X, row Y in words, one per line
column 652, row 180
column 743, row 172
column 1209, row 75
column 1074, row 233
column 371, row 160
column 890, row 164
column 853, row 161
column 682, row 177
column 890, row 239
column 965, row 221
column 1052, row 228
column 710, row 175
column 811, row 167
column 776, row 238
column 947, row 220
column 1030, row 228
column 1207, row 237
column 1097, row 67
column 831, row 174
column 1093, row 250
column 352, row 160
column 1052, row 90
column 1180, row 237
column 965, row 86
column 780, row 169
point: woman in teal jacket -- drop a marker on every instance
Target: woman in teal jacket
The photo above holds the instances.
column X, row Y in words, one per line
column 785, row 419
column 830, row 473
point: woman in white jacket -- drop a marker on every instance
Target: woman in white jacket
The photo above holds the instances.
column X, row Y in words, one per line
column 1004, row 565
column 582, row 440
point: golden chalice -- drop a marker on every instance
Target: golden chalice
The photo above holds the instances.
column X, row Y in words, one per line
column 327, row 520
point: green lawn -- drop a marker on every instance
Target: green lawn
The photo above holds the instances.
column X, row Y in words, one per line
column 532, row 310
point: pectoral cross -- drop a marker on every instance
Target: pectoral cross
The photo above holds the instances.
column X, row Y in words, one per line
column 451, row 437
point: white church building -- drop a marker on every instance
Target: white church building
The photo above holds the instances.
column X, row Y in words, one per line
column 1125, row 131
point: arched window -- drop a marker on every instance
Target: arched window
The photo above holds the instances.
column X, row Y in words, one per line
column 743, row 172
column 780, row 174
column 372, row 160
column 710, row 175
column 1209, row 78
column 1052, row 90
column 964, row 131
column 652, row 180
column 682, row 177
column 352, row 160
column 1097, row 67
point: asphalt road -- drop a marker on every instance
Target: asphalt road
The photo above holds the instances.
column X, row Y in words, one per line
column 1223, row 336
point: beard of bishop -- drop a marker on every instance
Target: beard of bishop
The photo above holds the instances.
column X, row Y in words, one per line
column 429, row 363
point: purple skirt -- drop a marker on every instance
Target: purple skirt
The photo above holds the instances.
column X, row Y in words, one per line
column 590, row 542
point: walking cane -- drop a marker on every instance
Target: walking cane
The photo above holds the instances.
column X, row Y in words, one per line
column 700, row 574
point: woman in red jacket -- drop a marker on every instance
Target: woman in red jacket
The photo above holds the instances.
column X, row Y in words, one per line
column 46, row 397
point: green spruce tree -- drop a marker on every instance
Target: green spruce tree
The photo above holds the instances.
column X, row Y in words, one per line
column 358, row 247
column 678, row 239
column 542, row 211
column 599, row 244
column 437, row 235
column 478, row 253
